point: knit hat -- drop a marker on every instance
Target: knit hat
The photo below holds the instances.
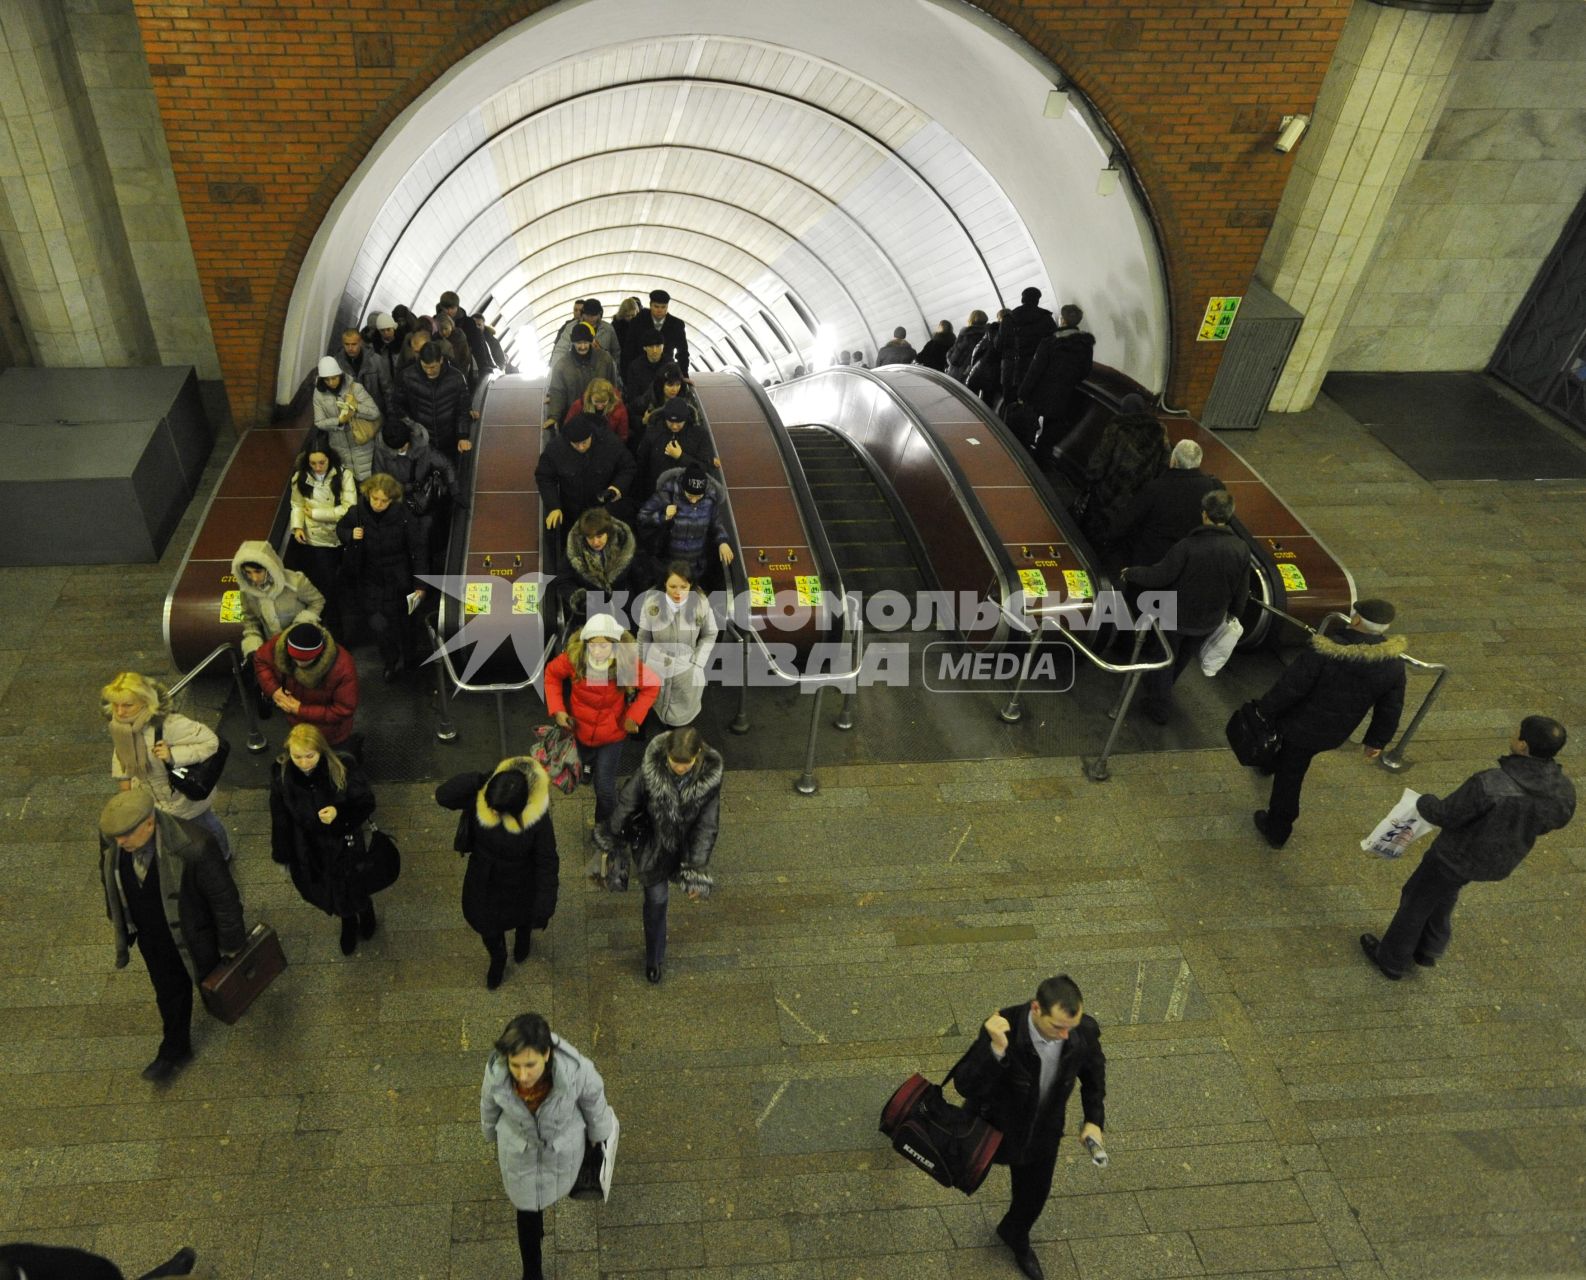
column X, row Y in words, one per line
column 677, row 409
column 602, row 626
column 1030, row 296
column 583, row 332
column 396, row 433
column 695, row 480
column 305, row 642
column 328, row 368
column 592, row 307
column 579, row 429
column 661, row 296
column 653, row 338
column 126, row 810
column 1376, row 615
column 385, row 320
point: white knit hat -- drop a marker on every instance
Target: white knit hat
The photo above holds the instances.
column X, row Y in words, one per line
column 602, row 626
column 328, row 368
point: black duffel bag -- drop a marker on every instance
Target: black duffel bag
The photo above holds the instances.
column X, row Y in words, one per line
column 1254, row 739
column 195, row 781
column 949, row 1142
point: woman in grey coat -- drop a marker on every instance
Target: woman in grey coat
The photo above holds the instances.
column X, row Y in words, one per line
column 677, row 632
column 542, row 1103
column 346, row 413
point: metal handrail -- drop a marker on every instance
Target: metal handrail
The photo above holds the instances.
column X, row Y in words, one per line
column 256, row 741
column 1393, row 757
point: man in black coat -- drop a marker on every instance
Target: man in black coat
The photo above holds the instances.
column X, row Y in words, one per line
column 167, row 888
column 1018, row 1076
column 1165, row 510
column 581, row 466
column 1319, row 700
column 1051, row 383
column 1209, row 570
column 1018, row 339
column 1488, row 826
column 671, row 329
column 435, row 395
column 450, row 305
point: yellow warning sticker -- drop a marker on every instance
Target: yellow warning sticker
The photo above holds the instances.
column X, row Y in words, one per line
column 525, row 597
column 231, row 606
column 1033, row 581
column 761, row 594
column 1293, row 579
column 476, row 598
column 1078, row 583
column 809, row 589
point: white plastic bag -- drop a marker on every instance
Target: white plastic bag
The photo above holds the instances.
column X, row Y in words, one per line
column 1219, row 646
column 1399, row 830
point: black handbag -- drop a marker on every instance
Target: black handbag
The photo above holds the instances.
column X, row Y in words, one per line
column 427, row 493
column 951, row 1143
column 378, row 865
column 587, row 1185
column 195, row 781
column 1255, row 740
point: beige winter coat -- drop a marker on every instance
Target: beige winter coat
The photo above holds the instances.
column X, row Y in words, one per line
column 316, row 513
column 286, row 599
column 189, row 742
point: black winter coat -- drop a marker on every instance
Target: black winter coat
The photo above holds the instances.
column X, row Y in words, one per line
column 685, row 813
column 573, row 482
column 1490, row 823
column 1169, row 507
column 961, row 355
column 383, row 566
column 513, row 868
column 439, row 405
column 1061, row 363
column 1006, row 1092
column 621, row 569
column 1210, row 569
column 653, row 459
column 1017, row 341
column 673, row 330
column 321, row 860
column 933, row 355
column 410, row 468
column 1320, row 699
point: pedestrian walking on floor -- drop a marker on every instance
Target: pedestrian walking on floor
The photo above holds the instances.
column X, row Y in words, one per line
column 542, row 1104
column 512, row 875
column 168, row 889
column 1487, row 827
column 1319, row 700
column 319, row 802
column 56, row 1262
column 677, row 788
column 1018, row 1076
column 313, row 680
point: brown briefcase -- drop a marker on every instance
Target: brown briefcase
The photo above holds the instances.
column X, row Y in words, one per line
column 231, row 988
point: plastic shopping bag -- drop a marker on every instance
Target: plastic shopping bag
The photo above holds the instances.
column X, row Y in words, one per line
column 1399, row 830
column 1219, row 646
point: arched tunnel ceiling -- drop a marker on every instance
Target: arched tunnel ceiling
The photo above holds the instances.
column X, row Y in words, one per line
column 757, row 182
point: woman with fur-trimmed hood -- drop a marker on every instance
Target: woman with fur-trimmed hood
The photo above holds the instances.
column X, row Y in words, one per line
column 506, row 830
column 274, row 598
column 602, row 557
column 678, row 787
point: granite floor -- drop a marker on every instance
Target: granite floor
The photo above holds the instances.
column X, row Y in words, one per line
column 1275, row 1108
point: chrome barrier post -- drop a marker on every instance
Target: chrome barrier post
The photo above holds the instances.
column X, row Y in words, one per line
column 806, row 784
column 1014, row 711
column 845, row 717
column 1394, row 758
column 446, row 730
column 852, row 619
column 1127, row 691
column 256, row 740
column 501, row 722
column 740, row 724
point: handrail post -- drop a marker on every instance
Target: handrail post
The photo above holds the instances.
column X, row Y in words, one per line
column 806, row 784
column 1127, row 691
column 1013, row 712
column 845, row 715
column 1394, row 758
column 446, row 730
column 1097, row 770
column 501, row 722
column 256, row 739
column 740, row 724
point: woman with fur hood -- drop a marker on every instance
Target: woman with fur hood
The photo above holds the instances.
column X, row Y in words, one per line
column 602, row 557
column 274, row 598
column 678, row 787
column 512, row 873
column 347, row 414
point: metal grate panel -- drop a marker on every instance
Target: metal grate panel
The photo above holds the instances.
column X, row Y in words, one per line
column 1258, row 346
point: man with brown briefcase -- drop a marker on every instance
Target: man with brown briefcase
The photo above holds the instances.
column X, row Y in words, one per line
column 167, row 888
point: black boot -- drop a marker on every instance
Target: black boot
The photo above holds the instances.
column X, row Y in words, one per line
column 522, row 945
column 367, row 923
column 496, row 972
column 349, row 935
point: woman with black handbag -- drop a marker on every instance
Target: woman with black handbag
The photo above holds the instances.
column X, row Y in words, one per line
column 149, row 740
column 319, row 802
column 506, row 831
column 678, row 788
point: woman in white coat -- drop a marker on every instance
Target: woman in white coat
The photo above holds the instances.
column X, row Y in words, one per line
column 323, row 491
column 542, row 1103
column 146, row 735
column 346, row 413
column 677, row 632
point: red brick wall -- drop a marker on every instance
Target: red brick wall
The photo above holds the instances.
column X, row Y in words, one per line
column 269, row 106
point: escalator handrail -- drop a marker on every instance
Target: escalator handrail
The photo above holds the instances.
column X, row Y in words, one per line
column 853, row 628
column 1321, row 630
column 1113, row 668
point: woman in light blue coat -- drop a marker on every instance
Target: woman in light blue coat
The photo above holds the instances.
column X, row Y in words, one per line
column 542, row 1103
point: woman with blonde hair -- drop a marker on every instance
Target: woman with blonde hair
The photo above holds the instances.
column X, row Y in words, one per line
column 147, row 737
column 319, row 801
column 604, row 401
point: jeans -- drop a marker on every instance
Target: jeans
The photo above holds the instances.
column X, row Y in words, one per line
column 655, row 900
column 605, row 761
column 173, row 991
column 1424, row 923
column 1032, row 1184
column 1288, row 776
column 210, row 821
column 531, row 1230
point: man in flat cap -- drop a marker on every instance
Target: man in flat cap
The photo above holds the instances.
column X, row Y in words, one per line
column 660, row 323
column 167, row 888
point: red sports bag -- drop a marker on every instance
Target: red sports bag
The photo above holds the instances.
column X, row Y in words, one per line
column 949, row 1142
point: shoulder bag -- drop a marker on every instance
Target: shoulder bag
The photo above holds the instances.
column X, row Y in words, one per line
column 1255, row 741
column 950, row 1142
column 195, row 781
column 377, row 865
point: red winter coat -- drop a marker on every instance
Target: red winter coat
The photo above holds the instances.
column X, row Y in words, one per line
column 616, row 417
column 598, row 706
column 327, row 687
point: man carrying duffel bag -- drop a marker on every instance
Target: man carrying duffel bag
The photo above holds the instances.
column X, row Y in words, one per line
column 1018, row 1075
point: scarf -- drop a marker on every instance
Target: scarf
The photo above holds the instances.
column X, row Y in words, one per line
column 132, row 752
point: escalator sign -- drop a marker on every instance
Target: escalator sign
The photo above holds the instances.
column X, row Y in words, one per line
column 761, row 593
column 231, row 606
column 1033, row 581
column 1293, row 579
column 809, row 589
column 1078, row 583
column 525, row 597
column 476, row 598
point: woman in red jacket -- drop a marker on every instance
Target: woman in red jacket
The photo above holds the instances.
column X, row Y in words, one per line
column 313, row 679
column 611, row 693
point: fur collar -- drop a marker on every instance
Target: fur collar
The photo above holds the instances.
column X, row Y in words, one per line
column 659, row 780
column 310, row 676
column 602, row 572
column 1365, row 649
column 534, row 808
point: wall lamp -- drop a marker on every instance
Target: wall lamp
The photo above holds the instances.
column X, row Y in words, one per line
column 1056, row 103
column 1290, row 130
column 1107, row 181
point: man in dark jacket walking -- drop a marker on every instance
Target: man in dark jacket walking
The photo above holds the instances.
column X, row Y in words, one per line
column 1209, row 569
column 1319, row 700
column 435, row 395
column 1018, row 339
column 167, row 888
column 1018, row 1076
column 897, row 351
column 582, row 466
column 1488, row 826
column 661, row 323
column 1051, row 383
column 1165, row 510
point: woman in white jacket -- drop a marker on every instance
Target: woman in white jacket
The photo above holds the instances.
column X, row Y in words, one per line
column 274, row 598
column 677, row 632
column 348, row 415
column 542, row 1103
column 323, row 491
column 146, row 735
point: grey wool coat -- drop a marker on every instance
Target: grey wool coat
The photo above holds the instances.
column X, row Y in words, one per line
column 676, row 645
column 541, row 1152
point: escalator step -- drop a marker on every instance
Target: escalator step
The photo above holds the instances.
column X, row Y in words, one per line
column 872, row 555
column 861, row 528
column 858, row 491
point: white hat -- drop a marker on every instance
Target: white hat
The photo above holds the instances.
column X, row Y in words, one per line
column 328, row 368
column 602, row 626
column 385, row 320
